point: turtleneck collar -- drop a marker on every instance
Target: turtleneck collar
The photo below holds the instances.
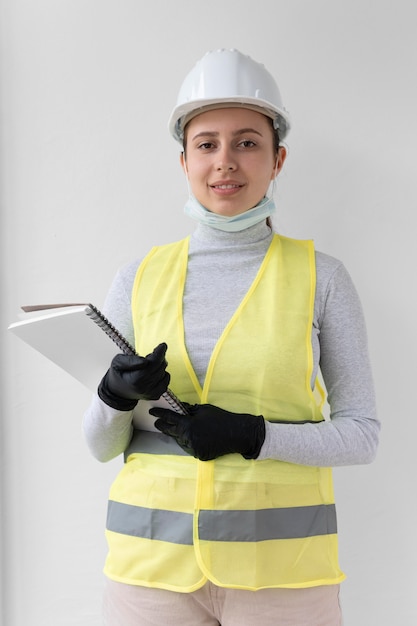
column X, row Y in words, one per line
column 208, row 235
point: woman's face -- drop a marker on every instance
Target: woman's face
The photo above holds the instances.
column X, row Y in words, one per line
column 230, row 159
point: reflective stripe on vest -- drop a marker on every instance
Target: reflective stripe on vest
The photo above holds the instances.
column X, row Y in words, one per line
column 150, row 523
column 266, row 525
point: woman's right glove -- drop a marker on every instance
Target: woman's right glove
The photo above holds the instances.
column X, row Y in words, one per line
column 131, row 378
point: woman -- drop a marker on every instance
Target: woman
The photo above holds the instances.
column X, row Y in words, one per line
column 225, row 514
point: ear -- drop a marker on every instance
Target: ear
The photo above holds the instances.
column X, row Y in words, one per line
column 279, row 162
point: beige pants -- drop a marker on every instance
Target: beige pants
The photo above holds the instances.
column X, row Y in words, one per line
column 129, row 605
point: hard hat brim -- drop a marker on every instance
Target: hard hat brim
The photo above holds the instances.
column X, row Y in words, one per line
column 184, row 113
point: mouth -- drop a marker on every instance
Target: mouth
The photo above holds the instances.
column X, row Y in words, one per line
column 226, row 189
column 226, row 186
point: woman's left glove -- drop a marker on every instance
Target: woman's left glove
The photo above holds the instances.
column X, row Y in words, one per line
column 208, row 432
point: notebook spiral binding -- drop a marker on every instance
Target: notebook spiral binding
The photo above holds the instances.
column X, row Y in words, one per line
column 97, row 316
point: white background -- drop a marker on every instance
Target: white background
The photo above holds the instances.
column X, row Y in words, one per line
column 90, row 180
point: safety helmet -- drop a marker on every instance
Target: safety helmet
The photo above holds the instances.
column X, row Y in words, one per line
column 228, row 78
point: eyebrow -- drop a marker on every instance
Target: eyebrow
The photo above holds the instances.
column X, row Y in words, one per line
column 241, row 131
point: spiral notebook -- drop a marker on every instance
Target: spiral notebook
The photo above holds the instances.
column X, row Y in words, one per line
column 81, row 340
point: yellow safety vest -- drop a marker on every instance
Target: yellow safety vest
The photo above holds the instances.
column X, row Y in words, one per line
column 175, row 522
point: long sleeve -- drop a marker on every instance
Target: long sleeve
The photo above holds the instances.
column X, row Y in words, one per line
column 106, row 430
column 351, row 435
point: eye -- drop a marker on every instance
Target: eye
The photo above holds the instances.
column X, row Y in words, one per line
column 247, row 143
column 205, row 145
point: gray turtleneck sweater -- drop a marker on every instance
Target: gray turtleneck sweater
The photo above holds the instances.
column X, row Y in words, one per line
column 221, row 268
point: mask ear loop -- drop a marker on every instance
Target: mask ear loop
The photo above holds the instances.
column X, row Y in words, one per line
column 272, row 186
column 190, row 193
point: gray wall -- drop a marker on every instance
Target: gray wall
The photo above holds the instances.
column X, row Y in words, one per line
column 90, row 179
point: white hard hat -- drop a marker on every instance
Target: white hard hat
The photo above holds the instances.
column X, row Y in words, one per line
column 228, row 78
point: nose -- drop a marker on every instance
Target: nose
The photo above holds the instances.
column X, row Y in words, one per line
column 225, row 161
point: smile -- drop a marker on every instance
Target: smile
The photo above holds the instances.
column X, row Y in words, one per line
column 226, row 186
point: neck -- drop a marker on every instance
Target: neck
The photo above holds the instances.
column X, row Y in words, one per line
column 208, row 235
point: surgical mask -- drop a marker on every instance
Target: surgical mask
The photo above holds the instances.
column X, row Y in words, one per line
column 193, row 208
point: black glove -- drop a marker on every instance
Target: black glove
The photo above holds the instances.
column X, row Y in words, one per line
column 208, row 432
column 132, row 378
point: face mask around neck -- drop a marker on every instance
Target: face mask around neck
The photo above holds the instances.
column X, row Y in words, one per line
column 193, row 208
